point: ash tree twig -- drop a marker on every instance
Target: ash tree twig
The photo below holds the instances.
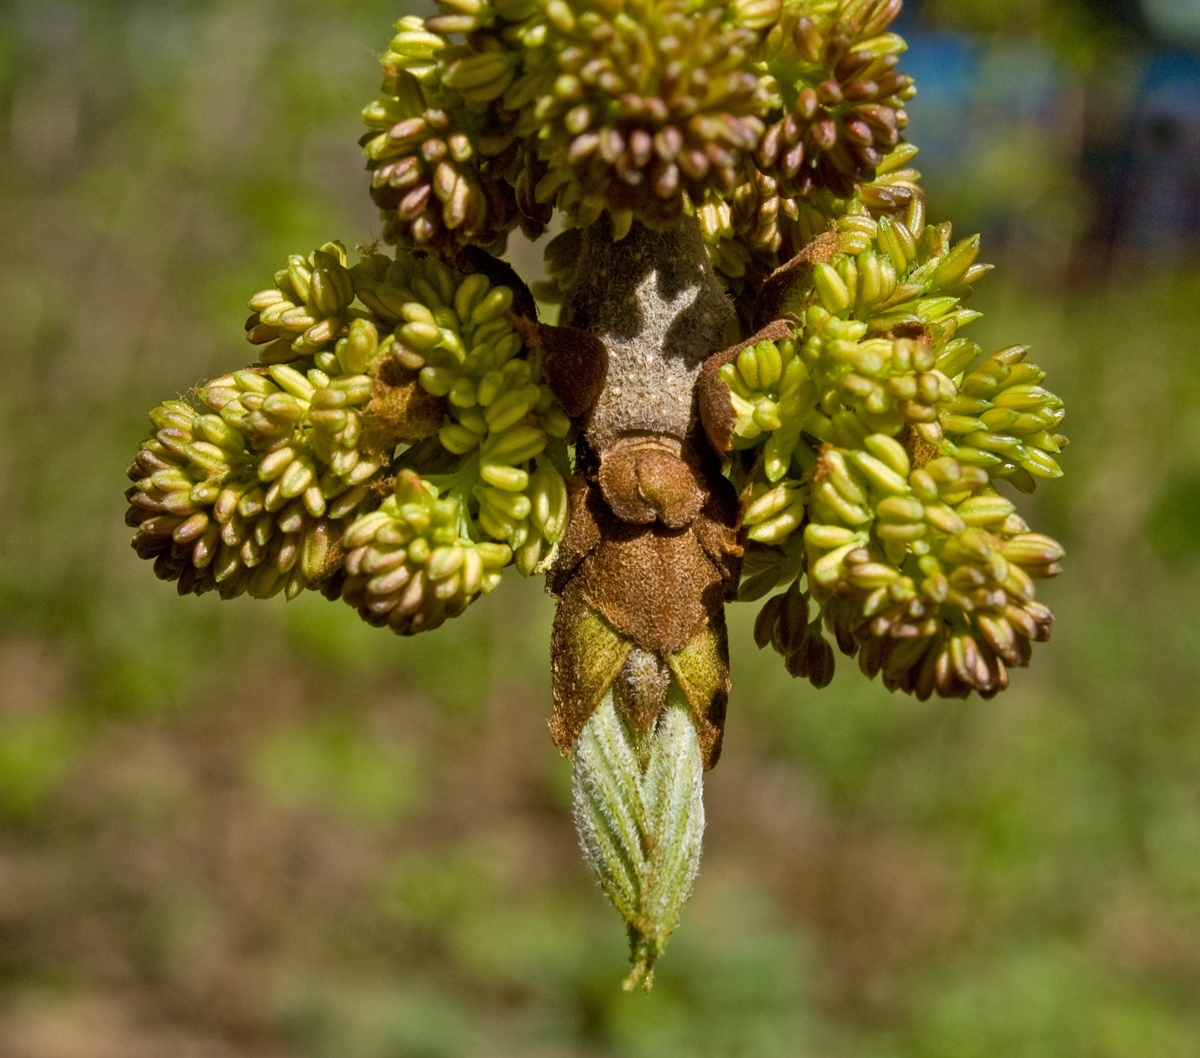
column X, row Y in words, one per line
column 757, row 387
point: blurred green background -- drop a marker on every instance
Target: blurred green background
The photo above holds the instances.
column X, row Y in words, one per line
column 258, row 830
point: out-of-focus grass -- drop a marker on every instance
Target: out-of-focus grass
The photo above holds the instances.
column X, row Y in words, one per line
column 262, row 829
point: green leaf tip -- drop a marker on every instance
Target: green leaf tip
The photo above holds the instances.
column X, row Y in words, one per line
column 640, row 816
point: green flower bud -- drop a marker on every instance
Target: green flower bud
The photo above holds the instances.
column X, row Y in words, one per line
column 1010, row 416
column 306, row 310
column 408, row 566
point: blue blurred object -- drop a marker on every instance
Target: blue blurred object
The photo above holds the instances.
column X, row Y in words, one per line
column 1016, row 143
column 944, row 66
column 1162, row 182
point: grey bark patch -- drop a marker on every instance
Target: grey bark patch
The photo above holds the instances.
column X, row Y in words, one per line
column 655, row 302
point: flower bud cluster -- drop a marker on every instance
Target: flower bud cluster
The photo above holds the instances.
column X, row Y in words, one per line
column 504, row 429
column 873, row 429
column 931, row 572
column 784, row 622
column 638, row 115
column 248, row 486
column 833, row 81
column 305, row 311
column 431, row 175
column 853, row 369
column 772, row 393
column 411, row 564
column 646, row 111
column 1001, row 418
column 895, row 270
column 887, row 280
column 836, row 111
column 757, row 229
column 252, row 482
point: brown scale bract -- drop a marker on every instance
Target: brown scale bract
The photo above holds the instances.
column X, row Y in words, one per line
column 399, row 409
column 716, row 408
column 776, row 311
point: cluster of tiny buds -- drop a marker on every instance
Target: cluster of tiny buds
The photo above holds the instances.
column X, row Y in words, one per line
column 408, row 564
column 784, row 622
column 875, row 433
column 249, row 489
column 646, row 118
column 271, row 478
